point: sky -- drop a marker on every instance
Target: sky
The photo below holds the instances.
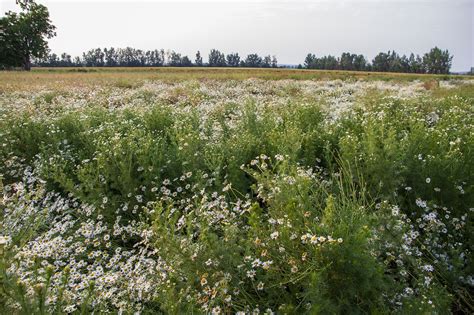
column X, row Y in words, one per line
column 288, row 29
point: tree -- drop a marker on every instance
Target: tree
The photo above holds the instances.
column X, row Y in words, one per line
column 404, row 64
column 233, row 60
column 66, row 60
column 129, row 57
column 267, row 62
column 141, row 57
column 110, row 57
column 77, row 61
column 253, row 61
column 8, row 43
column 155, row 58
column 394, row 62
column 437, row 61
column 186, row 62
column 24, row 35
column 94, row 58
column 198, row 61
column 53, row 60
column 310, row 61
column 415, row 64
column 360, row 63
column 216, row 58
column 175, row 59
column 329, row 63
column 347, row 61
column 274, row 62
column 381, row 62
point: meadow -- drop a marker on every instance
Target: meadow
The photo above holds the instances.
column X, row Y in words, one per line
column 235, row 191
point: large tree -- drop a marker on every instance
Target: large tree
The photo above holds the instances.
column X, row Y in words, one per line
column 360, row 63
column 310, row 61
column 437, row 61
column 24, row 35
column 253, row 61
column 346, row 62
column 381, row 62
column 174, row 59
column 233, row 60
column 216, row 58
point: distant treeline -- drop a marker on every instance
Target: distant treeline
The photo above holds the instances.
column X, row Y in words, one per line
column 434, row 61
column 131, row 57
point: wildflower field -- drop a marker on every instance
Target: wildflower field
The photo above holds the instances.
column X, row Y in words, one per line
column 236, row 192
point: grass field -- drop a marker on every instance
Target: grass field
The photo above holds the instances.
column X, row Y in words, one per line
column 185, row 190
column 63, row 77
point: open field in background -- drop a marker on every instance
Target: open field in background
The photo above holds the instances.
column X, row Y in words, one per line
column 65, row 77
column 184, row 190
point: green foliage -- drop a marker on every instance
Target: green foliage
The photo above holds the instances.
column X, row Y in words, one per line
column 278, row 207
column 24, row 35
column 253, row 61
column 437, row 61
column 216, row 58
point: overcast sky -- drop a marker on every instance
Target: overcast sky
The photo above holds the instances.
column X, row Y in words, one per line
column 287, row 29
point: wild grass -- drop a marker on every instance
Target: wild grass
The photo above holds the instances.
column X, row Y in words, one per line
column 60, row 78
column 228, row 196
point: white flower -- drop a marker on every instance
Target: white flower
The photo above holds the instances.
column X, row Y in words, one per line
column 266, row 264
column 251, row 273
column 428, row 180
column 227, row 187
column 274, row 235
column 4, row 240
column 257, row 262
column 420, row 203
column 395, row 211
column 70, row 308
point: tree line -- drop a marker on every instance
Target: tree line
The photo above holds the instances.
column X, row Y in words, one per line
column 131, row 57
column 435, row 61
